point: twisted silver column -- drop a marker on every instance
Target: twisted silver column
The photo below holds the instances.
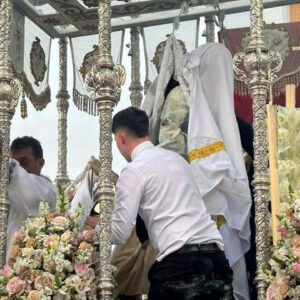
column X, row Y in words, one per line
column 261, row 64
column 210, row 29
column 10, row 89
column 104, row 81
column 62, row 108
column 136, row 87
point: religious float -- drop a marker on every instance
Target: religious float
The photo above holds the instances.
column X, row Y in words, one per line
column 265, row 60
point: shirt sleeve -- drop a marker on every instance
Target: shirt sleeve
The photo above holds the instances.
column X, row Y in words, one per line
column 129, row 191
column 26, row 191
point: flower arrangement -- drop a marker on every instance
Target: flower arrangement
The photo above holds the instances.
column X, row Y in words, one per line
column 288, row 150
column 283, row 269
column 51, row 258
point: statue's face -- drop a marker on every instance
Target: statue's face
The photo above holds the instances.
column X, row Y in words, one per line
column 159, row 53
column 158, row 56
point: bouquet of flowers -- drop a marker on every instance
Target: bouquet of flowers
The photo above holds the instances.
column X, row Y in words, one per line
column 283, row 269
column 288, row 150
column 51, row 258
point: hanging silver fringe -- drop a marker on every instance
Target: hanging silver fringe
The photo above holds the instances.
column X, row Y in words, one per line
column 23, row 106
column 84, row 103
column 240, row 88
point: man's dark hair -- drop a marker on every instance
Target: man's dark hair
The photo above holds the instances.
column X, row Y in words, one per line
column 132, row 119
column 26, row 142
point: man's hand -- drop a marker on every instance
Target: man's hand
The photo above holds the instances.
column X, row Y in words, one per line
column 92, row 221
column 145, row 244
column 248, row 162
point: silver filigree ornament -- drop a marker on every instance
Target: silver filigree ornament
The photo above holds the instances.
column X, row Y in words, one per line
column 104, row 81
column 101, row 80
column 260, row 68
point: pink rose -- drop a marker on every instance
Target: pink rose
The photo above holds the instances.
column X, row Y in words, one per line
column 81, row 269
column 46, row 280
column 49, row 267
column 73, row 240
column 28, row 287
column 283, row 231
column 296, row 251
column 51, row 241
column 18, row 236
column 15, row 286
column 88, row 235
column 22, row 271
column 6, row 272
column 296, row 268
column 60, row 223
column 273, row 293
column 38, row 255
column 47, row 241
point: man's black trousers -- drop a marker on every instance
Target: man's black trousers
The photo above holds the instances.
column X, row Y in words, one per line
column 194, row 272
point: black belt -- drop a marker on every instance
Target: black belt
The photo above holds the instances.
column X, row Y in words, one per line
column 133, row 297
column 197, row 247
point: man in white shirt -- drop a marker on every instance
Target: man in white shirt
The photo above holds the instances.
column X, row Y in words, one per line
column 27, row 188
column 158, row 185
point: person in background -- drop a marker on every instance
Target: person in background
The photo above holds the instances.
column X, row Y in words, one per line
column 27, row 187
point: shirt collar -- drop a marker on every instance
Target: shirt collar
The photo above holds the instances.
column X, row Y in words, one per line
column 140, row 148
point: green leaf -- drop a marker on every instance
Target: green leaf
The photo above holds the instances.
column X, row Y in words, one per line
column 278, row 260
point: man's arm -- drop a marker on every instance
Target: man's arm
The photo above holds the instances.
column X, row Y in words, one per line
column 26, row 191
column 129, row 191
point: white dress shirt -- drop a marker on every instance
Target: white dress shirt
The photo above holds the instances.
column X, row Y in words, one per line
column 159, row 185
column 25, row 192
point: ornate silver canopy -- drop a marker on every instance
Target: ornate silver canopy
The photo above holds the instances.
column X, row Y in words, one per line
column 61, row 18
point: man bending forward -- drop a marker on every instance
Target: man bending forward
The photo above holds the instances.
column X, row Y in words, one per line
column 158, row 184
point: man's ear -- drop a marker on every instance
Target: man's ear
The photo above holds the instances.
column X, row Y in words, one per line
column 120, row 136
column 123, row 138
column 41, row 162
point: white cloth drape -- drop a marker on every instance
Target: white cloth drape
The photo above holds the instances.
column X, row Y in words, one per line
column 84, row 196
column 221, row 176
column 206, row 77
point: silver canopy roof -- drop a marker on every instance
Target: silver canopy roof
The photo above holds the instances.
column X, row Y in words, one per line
column 59, row 18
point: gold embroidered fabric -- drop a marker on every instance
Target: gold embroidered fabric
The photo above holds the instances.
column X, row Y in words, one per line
column 206, row 151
